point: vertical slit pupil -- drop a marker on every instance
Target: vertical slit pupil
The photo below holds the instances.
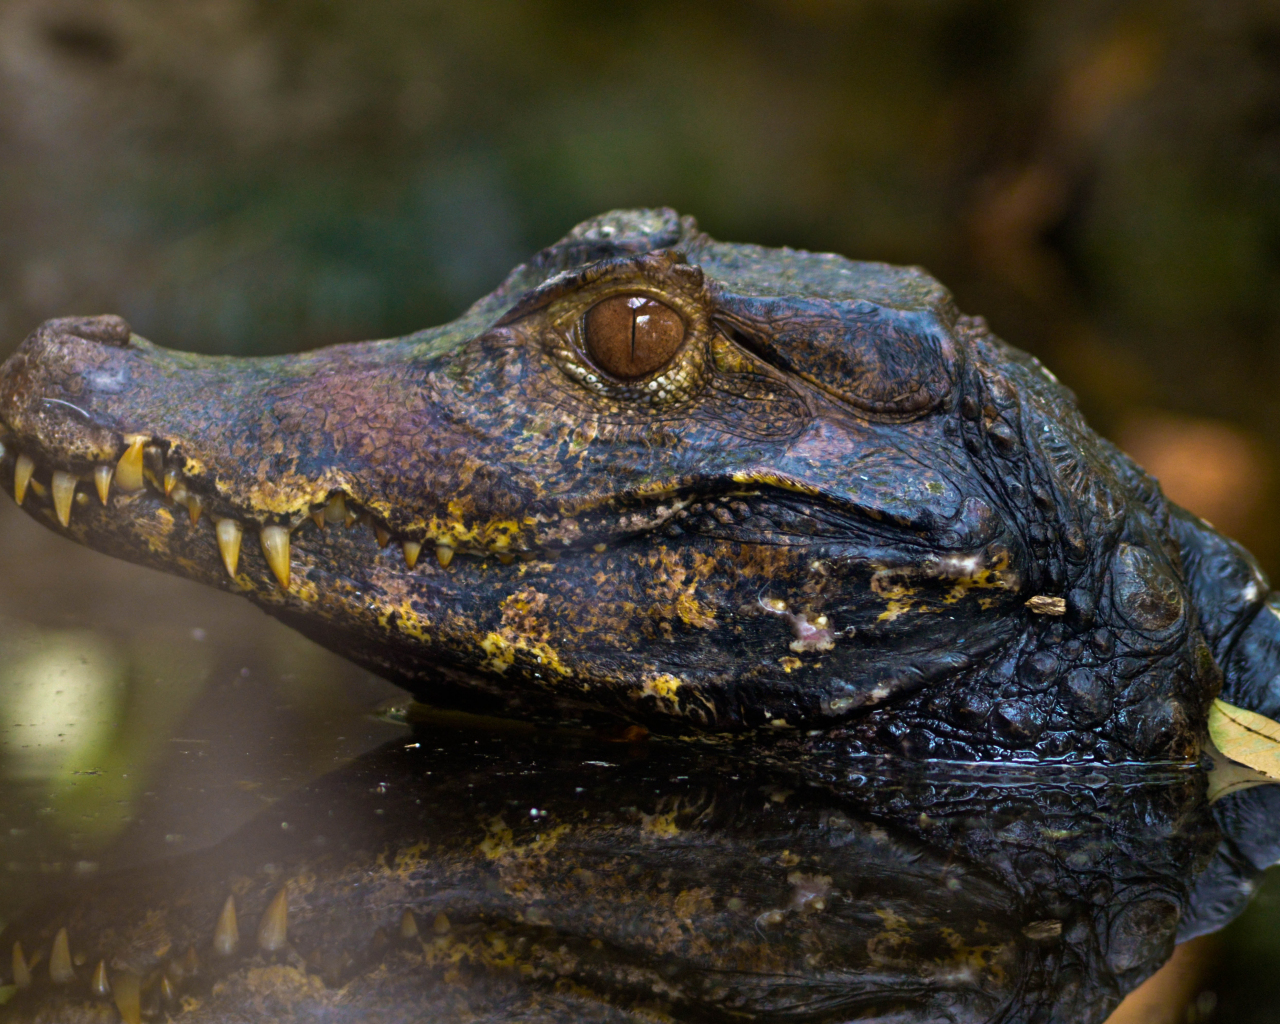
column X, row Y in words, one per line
column 632, row 336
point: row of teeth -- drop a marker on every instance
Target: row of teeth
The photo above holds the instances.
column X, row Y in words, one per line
column 129, row 475
column 127, row 988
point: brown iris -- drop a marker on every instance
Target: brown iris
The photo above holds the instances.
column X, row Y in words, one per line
column 630, row 336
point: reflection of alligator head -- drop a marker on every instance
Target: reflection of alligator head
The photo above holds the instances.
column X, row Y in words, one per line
column 679, row 481
column 549, row 877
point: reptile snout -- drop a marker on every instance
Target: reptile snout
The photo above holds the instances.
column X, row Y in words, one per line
column 54, row 389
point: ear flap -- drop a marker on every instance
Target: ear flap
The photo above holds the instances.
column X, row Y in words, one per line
column 889, row 362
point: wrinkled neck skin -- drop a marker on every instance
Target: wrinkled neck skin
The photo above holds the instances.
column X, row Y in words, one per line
column 842, row 516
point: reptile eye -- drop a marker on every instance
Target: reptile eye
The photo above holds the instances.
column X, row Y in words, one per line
column 630, row 336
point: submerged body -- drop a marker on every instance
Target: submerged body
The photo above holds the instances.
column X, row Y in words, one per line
column 795, row 505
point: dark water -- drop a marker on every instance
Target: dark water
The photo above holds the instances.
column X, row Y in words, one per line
column 143, row 716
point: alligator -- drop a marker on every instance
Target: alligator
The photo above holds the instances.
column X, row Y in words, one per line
column 782, row 502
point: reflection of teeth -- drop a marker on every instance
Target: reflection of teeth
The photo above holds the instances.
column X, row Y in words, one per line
column 99, row 985
column 408, row 925
column 167, row 993
column 444, row 553
column 275, row 545
column 273, row 929
column 129, row 997
column 412, row 549
column 21, row 972
column 60, row 971
column 102, row 480
column 229, row 534
column 23, row 467
column 335, row 511
column 226, row 934
column 129, row 468
column 64, row 489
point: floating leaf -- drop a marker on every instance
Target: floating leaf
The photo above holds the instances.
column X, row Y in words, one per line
column 1246, row 737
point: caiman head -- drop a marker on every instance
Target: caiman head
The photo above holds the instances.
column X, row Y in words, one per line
column 678, row 481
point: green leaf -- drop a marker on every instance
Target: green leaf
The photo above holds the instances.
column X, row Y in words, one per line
column 1246, row 737
column 7, row 992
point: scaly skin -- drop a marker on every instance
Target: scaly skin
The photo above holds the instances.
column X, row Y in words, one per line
column 841, row 519
column 840, row 506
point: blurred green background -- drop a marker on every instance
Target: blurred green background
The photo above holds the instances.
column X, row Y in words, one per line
column 1101, row 180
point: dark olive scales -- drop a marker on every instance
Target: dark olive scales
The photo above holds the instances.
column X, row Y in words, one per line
column 793, row 504
column 689, row 484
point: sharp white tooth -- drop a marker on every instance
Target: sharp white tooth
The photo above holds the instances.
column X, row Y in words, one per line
column 412, row 549
column 273, row 929
column 275, row 545
column 170, row 480
column 229, row 534
column 128, row 987
column 23, row 467
column 64, row 490
column 129, row 468
column 384, row 538
column 444, row 554
column 336, row 510
column 226, row 933
column 102, row 480
column 317, row 517
column 60, row 971
column 99, row 985
column 194, row 507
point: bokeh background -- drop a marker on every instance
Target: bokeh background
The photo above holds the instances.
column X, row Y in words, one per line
column 1100, row 179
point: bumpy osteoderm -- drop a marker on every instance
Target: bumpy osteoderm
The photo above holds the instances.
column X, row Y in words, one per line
column 686, row 483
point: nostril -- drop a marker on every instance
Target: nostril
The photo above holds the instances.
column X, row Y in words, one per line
column 108, row 330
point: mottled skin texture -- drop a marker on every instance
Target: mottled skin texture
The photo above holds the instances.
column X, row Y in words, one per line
column 832, row 439
column 843, row 521
column 655, row 883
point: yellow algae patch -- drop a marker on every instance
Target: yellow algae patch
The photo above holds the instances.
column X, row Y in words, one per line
column 976, row 958
column 973, row 577
column 663, row 688
column 661, row 825
column 157, row 537
column 902, row 589
column 501, row 653
column 675, row 587
column 406, row 620
column 499, row 841
column 525, row 628
column 893, row 586
column 776, row 480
